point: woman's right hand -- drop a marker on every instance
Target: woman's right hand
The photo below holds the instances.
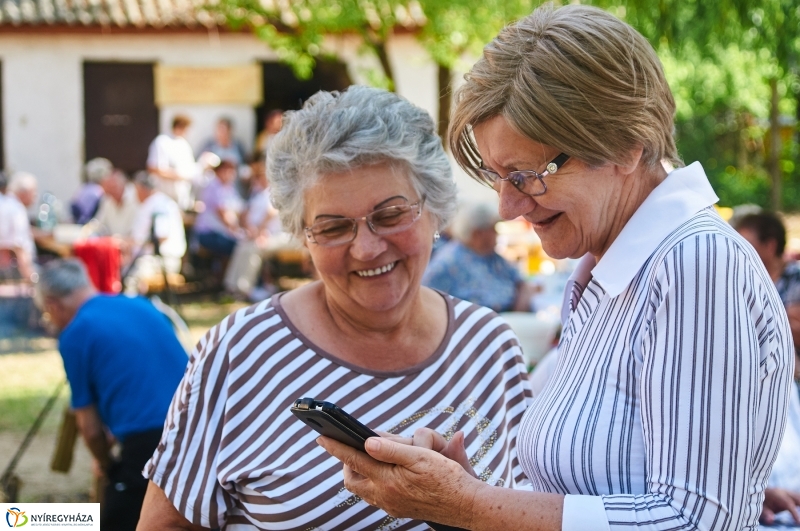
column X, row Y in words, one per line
column 432, row 440
column 453, row 449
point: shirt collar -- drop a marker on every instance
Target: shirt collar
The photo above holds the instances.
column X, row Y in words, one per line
column 684, row 193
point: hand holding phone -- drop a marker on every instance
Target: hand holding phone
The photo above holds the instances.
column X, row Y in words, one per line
column 331, row 421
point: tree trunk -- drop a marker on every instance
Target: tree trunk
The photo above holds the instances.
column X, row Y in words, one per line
column 445, row 101
column 797, row 112
column 774, row 146
column 379, row 45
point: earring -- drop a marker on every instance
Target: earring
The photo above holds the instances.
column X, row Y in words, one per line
column 436, row 236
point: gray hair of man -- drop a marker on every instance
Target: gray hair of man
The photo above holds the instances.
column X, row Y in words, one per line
column 61, row 278
column 97, row 169
column 472, row 217
column 338, row 131
column 144, row 179
column 22, row 182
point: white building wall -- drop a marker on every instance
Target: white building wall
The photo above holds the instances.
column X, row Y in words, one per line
column 42, row 93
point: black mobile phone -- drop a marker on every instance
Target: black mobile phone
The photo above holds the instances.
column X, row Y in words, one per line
column 332, row 421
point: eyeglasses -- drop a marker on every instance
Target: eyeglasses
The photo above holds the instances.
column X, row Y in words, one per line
column 383, row 221
column 529, row 182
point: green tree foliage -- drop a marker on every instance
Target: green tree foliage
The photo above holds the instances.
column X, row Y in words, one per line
column 296, row 29
column 447, row 29
column 722, row 59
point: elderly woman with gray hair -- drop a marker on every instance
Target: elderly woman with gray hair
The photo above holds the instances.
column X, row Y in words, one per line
column 362, row 178
column 469, row 268
column 667, row 405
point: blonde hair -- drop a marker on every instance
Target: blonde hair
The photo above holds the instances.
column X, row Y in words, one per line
column 575, row 78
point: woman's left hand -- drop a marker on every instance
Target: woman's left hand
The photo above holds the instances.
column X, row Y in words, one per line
column 407, row 481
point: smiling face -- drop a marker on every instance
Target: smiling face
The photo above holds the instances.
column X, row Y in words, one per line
column 583, row 209
column 372, row 273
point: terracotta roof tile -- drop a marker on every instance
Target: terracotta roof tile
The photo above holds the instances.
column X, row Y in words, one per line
column 166, row 13
column 118, row 13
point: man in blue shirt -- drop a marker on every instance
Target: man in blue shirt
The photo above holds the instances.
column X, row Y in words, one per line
column 124, row 363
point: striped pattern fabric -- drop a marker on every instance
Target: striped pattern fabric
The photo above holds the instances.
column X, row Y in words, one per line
column 233, row 456
column 669, row 399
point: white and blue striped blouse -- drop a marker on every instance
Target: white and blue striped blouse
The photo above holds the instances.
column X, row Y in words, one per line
column 668, row 403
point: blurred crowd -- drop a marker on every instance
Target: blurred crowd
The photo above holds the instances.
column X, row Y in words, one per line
column 215, row 204
column 151, row 224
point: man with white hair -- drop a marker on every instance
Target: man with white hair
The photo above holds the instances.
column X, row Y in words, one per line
column 15, row 227
column 118, row 206
column 87, row 199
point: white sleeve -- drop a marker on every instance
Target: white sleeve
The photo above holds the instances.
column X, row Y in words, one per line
column 140, row 232
column 584, row 513
column 103, row 214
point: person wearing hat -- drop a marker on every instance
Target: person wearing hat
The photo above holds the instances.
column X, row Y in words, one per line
column 469, row 268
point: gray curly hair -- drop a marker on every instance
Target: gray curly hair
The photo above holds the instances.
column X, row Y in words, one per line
column 339, row 131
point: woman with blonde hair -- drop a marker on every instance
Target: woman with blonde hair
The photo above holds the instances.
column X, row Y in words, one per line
column 667, row 405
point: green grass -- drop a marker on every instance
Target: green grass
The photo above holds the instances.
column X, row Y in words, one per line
column 204, row 315
column 28, row 382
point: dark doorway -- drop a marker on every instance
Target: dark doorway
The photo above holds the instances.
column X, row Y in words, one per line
column 121, row 117
column 282, row 90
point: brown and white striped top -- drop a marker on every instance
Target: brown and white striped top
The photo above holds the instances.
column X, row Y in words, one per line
column 233, row 456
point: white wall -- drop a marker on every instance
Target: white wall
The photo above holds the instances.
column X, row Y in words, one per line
column 43, row 113
column 42, row 91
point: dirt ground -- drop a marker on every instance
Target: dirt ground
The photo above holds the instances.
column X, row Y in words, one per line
column 39, row 483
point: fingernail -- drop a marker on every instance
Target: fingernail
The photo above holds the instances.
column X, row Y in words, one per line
column 319, row 441
column 373, row 443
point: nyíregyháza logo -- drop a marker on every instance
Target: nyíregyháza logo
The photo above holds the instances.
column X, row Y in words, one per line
column 15, row 517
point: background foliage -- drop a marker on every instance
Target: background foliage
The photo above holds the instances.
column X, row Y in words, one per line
column 733, row 65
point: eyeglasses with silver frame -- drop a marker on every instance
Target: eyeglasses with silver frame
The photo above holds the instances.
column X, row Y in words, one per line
column 529, row 182
column 383, row 222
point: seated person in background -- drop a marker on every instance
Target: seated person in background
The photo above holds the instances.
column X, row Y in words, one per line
column 262, row 237
column 224, row 145
column 118, row 206
column 362, row 177
column 123, row 362
column 16, row 233
column 87, row 199
column 217, row 226
column 767, row 234
column 469, row 268
column 158, row 237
